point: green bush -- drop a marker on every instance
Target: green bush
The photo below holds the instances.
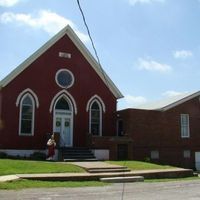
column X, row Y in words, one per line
column 38, row 156
column 3, row 155
column 147, row 159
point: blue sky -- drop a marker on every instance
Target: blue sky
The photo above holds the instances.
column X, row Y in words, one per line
column 149, row 48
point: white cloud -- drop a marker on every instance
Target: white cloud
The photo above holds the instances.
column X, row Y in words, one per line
column 45, row 20
column 132, row 101
column 182, row 54
column 8, row 3
column 151, row 65
column 134, row 2
column 172, row 93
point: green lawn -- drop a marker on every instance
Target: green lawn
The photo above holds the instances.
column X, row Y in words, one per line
column 22, row 184
column 139, row 165
column 8, row 166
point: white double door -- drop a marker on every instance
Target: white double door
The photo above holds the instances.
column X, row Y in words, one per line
column 63, row 126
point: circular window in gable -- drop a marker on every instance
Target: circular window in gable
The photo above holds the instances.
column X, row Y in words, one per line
column 64, row 78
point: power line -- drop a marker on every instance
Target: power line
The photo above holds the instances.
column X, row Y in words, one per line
column 93, row 45
column 98, row 60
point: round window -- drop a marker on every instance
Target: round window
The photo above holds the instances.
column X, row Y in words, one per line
column 64, row 78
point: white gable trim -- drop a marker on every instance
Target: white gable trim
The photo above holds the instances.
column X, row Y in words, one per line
column 99, row 99
column 28, row 90
column 192, row 96
column 68, row 96
column 196, row 94
column 67, row 30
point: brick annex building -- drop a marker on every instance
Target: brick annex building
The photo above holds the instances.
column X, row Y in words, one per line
column 167, row 131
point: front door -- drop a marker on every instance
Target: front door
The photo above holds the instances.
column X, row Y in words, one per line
column 63, row 127
column 63, row 122
column 197, row 160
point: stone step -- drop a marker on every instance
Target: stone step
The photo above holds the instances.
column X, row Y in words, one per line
column 108, row 167
column 79, row 160
column 75, row 149
column 122, row 179
column 108, row 170
column 77, row 154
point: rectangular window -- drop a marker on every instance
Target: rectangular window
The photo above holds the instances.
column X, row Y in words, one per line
column 185, row 130
column 186, row 153
column 155, row 154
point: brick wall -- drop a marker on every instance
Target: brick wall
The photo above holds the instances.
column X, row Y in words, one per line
column 161, row 131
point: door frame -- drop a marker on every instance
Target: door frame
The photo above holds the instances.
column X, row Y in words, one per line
column 197, row 164
column 64, row 116
column 72, row 109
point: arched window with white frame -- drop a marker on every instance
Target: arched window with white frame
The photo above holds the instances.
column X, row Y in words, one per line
column 27, row 114
column 95, row 119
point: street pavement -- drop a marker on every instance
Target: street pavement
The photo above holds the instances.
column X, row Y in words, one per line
column 179, row 190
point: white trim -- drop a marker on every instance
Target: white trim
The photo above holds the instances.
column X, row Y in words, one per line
column 99, row 99
column 33, row 116
column 189, row 97
column 71, row 116
column 66, row 70
column 100, row 109
column 71, row 125
column 82, row 48
column 68, row 96
column 28, row 90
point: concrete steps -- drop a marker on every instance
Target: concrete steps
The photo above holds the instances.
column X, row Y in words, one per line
column 110, row 170
column 80, row 160
column 77, row 154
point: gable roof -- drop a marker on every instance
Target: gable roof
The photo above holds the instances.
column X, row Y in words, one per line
column 170, row 102
column 78, row 43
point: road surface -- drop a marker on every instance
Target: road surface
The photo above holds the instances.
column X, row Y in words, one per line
column 182, row 190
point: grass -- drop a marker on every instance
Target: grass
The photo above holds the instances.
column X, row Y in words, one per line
column 8, row 166
column 139, row 165
column 22, row 184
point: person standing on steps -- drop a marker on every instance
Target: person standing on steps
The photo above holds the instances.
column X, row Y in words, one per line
column 51, row 147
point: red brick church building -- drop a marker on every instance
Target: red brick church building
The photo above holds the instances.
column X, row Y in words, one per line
column 59, row 89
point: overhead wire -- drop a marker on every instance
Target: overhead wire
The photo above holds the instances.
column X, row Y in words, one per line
column 92, row 42
column 99, row 63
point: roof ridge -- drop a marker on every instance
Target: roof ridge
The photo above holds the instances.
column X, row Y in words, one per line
column 79, row 44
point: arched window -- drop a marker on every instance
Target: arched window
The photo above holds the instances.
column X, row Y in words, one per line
column 62, row 104
column 95, row 118
column 27, row 112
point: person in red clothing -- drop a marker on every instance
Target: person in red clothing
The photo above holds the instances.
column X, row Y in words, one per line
column 51, row 147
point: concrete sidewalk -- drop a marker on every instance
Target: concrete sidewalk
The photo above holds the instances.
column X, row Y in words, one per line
column 97, row 165
column 164, row 173
column 8, row 178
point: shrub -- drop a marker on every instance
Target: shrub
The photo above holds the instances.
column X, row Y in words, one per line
column 3, row 155
column 38, row 156
column 147, row 159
